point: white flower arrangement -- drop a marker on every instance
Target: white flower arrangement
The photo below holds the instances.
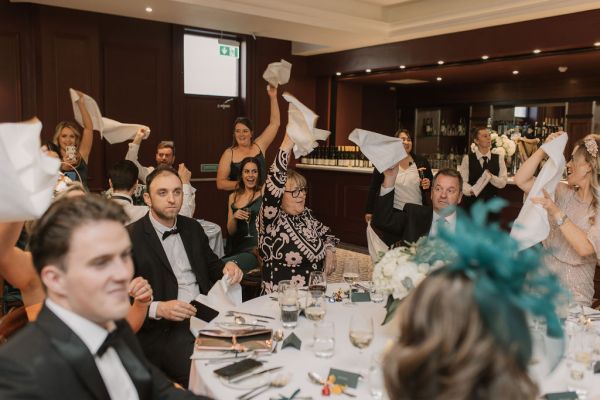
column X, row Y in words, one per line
column 502, row 145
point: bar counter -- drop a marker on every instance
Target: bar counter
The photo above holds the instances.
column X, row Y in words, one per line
column 338, row 198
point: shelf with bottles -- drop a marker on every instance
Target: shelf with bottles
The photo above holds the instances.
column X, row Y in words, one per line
column 337, row 156
column 441, row 130
column 530, row 121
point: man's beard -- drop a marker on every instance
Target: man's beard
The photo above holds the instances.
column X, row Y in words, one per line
column 162, row 215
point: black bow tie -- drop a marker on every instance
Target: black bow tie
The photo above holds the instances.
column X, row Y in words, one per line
column 110, row 341
column 173, row 231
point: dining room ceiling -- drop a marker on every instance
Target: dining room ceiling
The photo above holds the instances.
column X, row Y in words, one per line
column 324, row 26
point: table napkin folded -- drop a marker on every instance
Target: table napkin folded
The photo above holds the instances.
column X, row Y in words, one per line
column 383, row 151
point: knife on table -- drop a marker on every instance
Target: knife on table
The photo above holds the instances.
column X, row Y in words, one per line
column 243, row 378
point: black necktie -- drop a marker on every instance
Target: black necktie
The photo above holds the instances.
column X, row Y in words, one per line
column 485, row 163
column 173, row 231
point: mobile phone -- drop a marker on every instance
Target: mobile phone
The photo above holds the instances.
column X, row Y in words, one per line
column 239, row 368
column 71, row 153
column 204, row 312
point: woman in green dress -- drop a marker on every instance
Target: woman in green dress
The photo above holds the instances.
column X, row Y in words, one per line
column 243, row 206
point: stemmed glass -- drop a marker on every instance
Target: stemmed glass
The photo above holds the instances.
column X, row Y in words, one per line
column 249, row 211
column 350, row 276
column 361, row 331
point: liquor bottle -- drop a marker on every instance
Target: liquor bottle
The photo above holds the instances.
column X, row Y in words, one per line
column 443, row 128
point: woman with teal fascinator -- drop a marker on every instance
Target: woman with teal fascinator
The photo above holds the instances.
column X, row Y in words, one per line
column 463, row 331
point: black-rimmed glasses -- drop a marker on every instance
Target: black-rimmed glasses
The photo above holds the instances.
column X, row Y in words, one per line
column 296, row 192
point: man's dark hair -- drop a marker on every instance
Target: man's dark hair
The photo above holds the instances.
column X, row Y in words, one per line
column 123, row 175
column 51, row 238
column 160, row 170
column 452, row 173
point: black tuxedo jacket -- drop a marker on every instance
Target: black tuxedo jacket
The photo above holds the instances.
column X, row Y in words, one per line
column 406, row 225
column 47, row 360
column 168, row 344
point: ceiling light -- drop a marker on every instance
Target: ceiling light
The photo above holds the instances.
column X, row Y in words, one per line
column 148, row 9
column 441, row 62
column 597, row 44
column 368, row 70
column 402, row 66
column 537, row 51
column 439, row 78
column 484, row 57
column 338, row 73
column 515, row 72
column 563, row 68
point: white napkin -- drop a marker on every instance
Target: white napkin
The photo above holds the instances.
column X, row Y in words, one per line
column 278, row 73
column 111, row 130
column 28, row 175
column 301, row 127
column 383, row 151
column 531, row 226
column 377, row 247
column 221, row 297
column 482, row 182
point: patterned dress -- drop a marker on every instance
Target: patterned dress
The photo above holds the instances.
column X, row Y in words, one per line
column 576, row 272
column 291, row 246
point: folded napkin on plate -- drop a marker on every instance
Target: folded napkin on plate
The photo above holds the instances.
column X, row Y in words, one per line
column 222, row 296
column 278, row 73
column 383, row 151
column 28, row 175
column 301, row 127
column 532, row 226
column 111, row 130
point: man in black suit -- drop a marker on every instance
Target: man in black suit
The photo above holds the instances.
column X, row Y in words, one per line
column 173, row 254
column 80, row 347
column 415, row 221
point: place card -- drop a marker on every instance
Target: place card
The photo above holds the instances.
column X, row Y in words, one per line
column 359, row 297
column 291, row 341
column 345, row 378
column 597, row 367
column 561, row 396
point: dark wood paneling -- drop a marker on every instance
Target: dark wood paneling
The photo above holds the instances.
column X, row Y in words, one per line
column 323, row 102
column 379, row 110
column 348, row 111
column 579, row 122
column 10, row 78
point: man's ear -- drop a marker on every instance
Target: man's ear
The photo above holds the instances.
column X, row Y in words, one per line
column 459, row 197
column 53, row 278
column 147, row 199
column 110, row 183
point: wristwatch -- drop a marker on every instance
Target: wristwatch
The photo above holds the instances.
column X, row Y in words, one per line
column 561, row 220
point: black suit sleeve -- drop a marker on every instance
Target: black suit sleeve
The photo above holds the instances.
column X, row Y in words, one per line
column 16, row 382
column 386, row 217
column 376, row 181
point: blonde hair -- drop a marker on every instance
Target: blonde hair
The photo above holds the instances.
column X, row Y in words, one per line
column 594, row 162
column 295, row 176
column 445, row 351
column 72, row 126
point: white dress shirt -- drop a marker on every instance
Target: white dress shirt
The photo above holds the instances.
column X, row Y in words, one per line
column 135, row 212
column 449, row 219
column 116, row 379
column 407, row 187
column 188, row 288
column 497, row 181
column 132, row 155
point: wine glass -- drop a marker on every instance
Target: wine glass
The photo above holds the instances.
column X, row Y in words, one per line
column 317, row 283
column 315, row 307
column 350, row 276
column 249, row 211
column 361, row 331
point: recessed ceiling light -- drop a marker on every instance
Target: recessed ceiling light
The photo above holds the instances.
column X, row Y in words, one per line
column 597, row 44
column 402, row 66
column 485, row 57
column 338, row 73
column 441, row 62
column 368, row 70
column 537, row 51
column 439, row 78
column 515, row 72
column 148, row 9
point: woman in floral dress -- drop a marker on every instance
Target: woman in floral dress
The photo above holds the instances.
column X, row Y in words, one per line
column 291, row 242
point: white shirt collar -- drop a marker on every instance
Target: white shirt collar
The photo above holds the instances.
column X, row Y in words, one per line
column 478, row 154
column 451, row 219
column 92, row 334
column 160, row 228
column 123, row 195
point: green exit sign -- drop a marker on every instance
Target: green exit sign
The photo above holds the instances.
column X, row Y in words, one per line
column 229, row 51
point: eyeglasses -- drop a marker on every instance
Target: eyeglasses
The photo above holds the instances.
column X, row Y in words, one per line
column 296, row 192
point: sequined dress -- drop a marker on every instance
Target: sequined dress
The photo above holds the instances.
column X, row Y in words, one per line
column 575, row 272
column 291, row 246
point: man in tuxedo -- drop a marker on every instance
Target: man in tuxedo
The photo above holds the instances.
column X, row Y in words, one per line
column 173, row 254
column 122, row 179
column 80, row 347
column 415, row 221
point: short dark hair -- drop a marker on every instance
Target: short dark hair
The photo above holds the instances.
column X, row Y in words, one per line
column 166, row 144
column 476, row 129
column 160, row 170
column 123, row 175
column 51, row 238
column 451, row 172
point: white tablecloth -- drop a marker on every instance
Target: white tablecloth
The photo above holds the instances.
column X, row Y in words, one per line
column 346, row 357
column 215, row 239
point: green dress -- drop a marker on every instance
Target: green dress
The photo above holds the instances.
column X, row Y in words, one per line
column 239, row 247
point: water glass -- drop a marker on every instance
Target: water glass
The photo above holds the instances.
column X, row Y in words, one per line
column 317, row 283
column 324, row 339
column 288, row 304
column 376, row 383
column 360, row 331
column 316, row 307
column 377, row 293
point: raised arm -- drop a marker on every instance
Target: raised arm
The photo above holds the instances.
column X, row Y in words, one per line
column 223, row 182
column 87, row 138
column 189, row 192
column 132, row 154
column 268, row 135
column 524, row 177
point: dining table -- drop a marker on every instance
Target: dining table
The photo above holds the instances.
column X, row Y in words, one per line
column 296, row 364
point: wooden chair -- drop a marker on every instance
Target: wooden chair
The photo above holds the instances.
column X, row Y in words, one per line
column 526, row 147
column 252, row 281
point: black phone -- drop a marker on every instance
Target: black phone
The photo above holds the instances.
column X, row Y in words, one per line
column 239, row 368
column 204, row 312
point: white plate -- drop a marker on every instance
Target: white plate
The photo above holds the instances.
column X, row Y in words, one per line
column 250, row 383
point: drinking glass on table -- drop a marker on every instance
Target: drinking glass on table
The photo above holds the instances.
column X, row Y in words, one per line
column 317, row 283
column 288, row 304
column 350, row 275
column 316, row 307
column 324, row 339
column 361, row 331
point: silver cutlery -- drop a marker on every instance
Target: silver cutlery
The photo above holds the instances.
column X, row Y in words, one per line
column 232, row 313
column 245, row 377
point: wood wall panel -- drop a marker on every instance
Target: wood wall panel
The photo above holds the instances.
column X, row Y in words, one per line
column 379, row 110
column 10, row 78
column 348, row 111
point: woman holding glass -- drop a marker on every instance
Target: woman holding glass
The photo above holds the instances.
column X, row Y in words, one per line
column 244, row 204
column 291, row 242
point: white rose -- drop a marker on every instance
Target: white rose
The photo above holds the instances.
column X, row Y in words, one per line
column 499, row 141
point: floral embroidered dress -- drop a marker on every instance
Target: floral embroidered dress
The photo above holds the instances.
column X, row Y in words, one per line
column 291, row 246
